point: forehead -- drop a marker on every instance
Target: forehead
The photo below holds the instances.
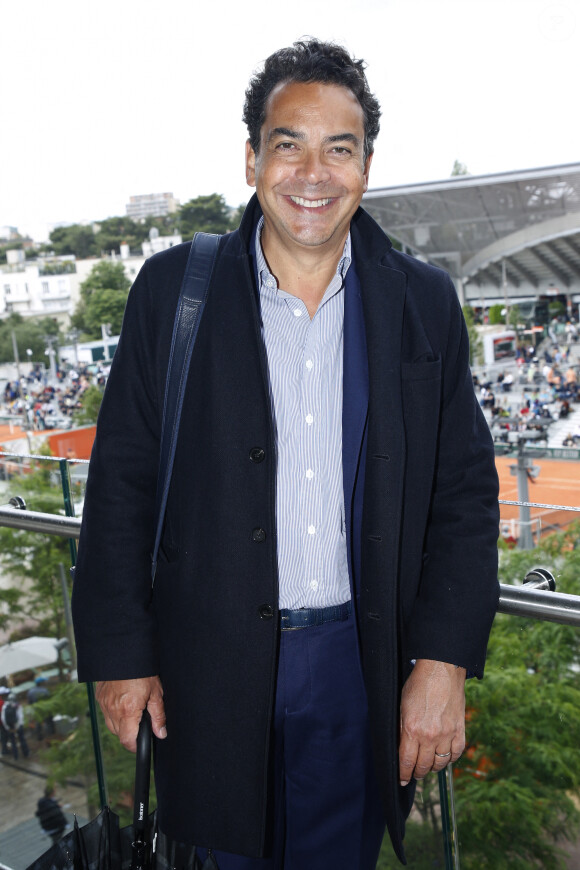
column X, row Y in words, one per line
column 301, row 105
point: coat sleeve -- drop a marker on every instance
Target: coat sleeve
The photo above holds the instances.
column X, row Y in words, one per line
column 458, row 592
column 114, row 625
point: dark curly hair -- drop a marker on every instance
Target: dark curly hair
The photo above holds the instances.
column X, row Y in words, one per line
column 311, row 61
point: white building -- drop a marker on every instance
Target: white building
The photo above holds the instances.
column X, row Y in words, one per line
column 38, row 289
column 151, row 205
column 158, row 243
column 51, row 288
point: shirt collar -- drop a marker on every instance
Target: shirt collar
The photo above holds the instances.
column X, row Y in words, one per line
column 268, row 280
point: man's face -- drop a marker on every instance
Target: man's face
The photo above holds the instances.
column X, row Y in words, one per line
column 310, row 173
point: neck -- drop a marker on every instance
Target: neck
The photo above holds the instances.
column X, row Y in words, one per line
column 306, row 272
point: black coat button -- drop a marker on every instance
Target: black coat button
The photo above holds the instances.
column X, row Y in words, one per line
column 257, row 454
column 265, row 611
column 258, row 535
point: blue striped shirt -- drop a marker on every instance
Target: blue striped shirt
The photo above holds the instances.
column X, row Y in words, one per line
column 305, row 360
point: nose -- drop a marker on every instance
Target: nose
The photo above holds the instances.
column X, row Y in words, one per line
column 312, row 168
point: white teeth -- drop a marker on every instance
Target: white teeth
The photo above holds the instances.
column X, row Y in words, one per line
column 309, row 203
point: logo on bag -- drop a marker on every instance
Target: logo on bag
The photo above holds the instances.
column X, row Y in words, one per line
column 141, row 812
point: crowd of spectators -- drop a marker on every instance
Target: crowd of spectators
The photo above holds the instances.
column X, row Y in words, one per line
column 42, row 405
column 547, row 388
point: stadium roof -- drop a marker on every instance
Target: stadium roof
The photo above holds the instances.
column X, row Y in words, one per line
column 525, row 222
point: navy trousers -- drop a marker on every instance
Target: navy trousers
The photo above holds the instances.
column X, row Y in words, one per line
column 328, row 813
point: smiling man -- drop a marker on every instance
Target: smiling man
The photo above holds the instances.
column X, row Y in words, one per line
column 328, row 567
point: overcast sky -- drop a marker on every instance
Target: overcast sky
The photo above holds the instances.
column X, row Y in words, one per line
column 102, row 100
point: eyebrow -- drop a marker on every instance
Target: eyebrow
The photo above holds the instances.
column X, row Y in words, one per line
column 295, row 134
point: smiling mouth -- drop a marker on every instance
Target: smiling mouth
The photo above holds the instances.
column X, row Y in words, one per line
column 310, row 203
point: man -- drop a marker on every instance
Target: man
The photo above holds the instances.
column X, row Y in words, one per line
column 4, row 691
column 12, row 720
column 50, row 815
column 327, row 572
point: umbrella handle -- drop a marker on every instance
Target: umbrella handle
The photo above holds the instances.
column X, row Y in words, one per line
column 142, row 778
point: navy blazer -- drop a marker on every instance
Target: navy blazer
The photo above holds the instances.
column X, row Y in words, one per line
column 422, row 522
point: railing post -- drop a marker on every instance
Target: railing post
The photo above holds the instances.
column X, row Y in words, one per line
column 97, row 749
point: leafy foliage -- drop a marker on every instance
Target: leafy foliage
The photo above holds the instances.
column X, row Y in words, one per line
column 517, row 786
column 208, row 214
column 203, row 213
column 30, row 335
column 459, row 168
column 495, row 314
column 76, row 239
column 33, row 560
column 90, row 405
column 475, row 346
column 103, row 299
column 67, row 758
column 107, row 236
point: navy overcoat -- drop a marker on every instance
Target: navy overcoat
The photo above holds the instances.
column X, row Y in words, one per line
column 422, row 522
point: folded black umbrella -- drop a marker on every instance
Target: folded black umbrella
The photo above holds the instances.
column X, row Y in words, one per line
column 103, row 845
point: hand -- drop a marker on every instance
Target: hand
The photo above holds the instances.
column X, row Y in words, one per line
column 432, row 718
column 123, row 702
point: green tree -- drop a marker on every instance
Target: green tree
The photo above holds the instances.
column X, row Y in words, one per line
column 208, row 214
column 475, row 346
column 459, row 169
column 237, row 216
column 75, row 239
column 32, row 560
column 105, row 306
column 30, row 335
column 523, row 728
column 495, row 314
column 517, row 786
column 73, row 757
column 90, row 405
column 103, row 299
column 115, row 231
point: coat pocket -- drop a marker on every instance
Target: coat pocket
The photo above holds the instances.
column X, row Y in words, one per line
column 426, row 370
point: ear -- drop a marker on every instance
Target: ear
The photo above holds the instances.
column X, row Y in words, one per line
column 250, row 165
column 366, row 171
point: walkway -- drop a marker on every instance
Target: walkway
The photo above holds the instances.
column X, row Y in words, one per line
column 22, row 783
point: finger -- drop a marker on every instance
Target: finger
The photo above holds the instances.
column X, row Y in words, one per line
column 101, row 696
column 156, row 710
column 408, row 749
column 424, row 763
column 128, row 730
column 442, row 759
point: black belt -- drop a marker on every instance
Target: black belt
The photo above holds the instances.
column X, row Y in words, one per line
column 308, row 616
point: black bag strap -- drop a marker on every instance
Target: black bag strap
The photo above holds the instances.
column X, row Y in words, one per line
column 192, row 299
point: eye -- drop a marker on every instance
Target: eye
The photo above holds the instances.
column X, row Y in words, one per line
column 341, row 149
column 285, row 146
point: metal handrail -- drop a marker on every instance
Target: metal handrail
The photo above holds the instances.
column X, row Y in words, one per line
column 14, row 517
column 540, row 602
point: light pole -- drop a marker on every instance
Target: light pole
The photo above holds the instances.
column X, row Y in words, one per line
column 524, row 469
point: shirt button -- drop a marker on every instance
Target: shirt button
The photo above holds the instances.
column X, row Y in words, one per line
column 309, row 364
column 309, row 474
column 257, row 454
column 309, row 419
column 314, row 585
column 258, row 535
column 311, row 530
column 298, row 312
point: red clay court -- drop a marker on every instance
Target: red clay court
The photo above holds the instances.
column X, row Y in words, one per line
column 557, row 483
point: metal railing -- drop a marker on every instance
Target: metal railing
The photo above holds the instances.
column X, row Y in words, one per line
column 536, row 598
